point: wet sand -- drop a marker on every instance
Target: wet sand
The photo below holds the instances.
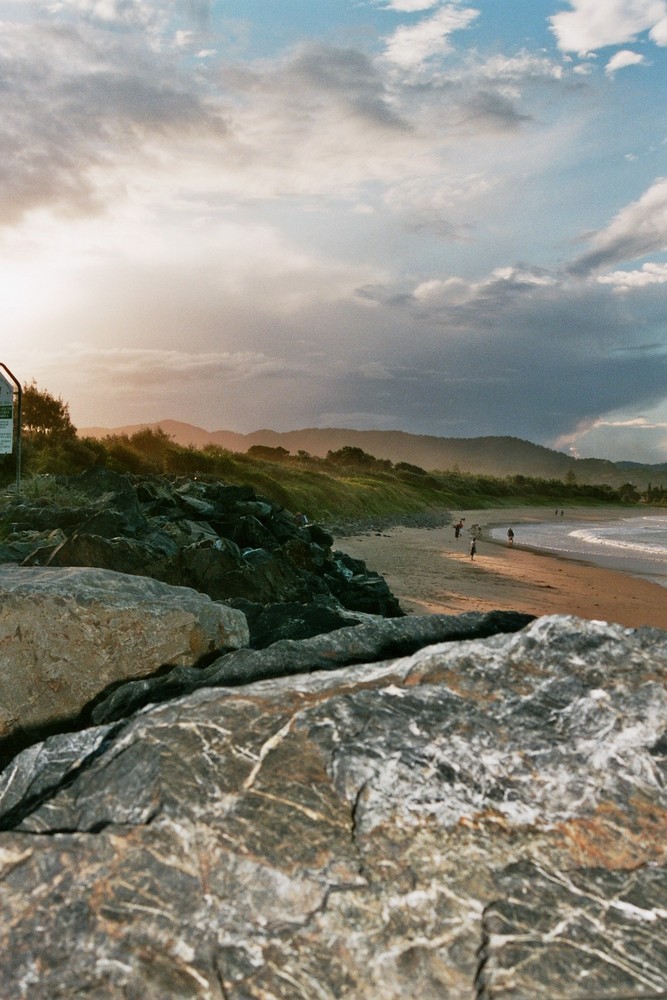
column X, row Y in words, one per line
column 431, row 572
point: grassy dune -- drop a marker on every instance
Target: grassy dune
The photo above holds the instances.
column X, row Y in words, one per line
column 347, row 487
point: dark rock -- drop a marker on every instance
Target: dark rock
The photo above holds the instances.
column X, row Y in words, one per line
column 124, row 555
column 361, row 589
column 106, row 523
column 606, row 928
column 367, row 642
column 317, row 535
column 249, row 532
column 225, row 541
column 255, row 574
column 310, row 557
column 111, row 490
column 272, row 622
column 484, row 819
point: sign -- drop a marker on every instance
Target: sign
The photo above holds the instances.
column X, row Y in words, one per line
column 6, row 416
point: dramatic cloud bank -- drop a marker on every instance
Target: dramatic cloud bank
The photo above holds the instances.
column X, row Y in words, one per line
column 434, row 216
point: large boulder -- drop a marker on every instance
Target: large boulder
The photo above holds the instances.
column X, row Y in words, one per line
column 67, row 634
column 483, row 819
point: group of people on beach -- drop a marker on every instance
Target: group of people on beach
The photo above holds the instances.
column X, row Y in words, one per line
column 476, row 532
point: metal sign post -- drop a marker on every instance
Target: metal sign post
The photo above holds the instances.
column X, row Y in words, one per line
column 7, row 419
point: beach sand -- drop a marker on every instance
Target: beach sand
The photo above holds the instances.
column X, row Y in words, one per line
column 430, row 572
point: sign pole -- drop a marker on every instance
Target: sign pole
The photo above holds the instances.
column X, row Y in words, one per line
column 19, row 392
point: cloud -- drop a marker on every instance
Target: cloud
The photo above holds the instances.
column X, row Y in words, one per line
column 110, row 11
column 521, row 346
column 99, row 105
column 520, row 67
column 595, row 24
column 638, row 229
column 640, row 438
column 260, row 239
column 501, row 282
column 625, row 281
column 367, row 420
column 126, row 110
column 116, row 386
column 409, row 6
column 128, row 368
column 659, row 32
column 410, row 46
column 623, row 59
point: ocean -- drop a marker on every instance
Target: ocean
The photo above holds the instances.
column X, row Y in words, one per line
column 635, row 545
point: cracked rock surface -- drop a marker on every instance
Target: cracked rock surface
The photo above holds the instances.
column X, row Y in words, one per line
column 481, row 819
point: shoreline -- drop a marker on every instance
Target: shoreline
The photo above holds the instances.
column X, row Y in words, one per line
column 431, row 573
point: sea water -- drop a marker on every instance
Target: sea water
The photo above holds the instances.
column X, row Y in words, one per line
column 635, row 545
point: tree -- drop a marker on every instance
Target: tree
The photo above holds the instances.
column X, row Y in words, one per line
column 45, row 416
column 357, row 458
column 628, row 493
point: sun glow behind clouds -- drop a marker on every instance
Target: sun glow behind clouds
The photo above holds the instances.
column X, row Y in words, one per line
column 32, row 290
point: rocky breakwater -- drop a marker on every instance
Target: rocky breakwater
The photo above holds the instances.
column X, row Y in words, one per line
column 222, row 540
column 108, row 577
column 483, row 818
column 124, row 578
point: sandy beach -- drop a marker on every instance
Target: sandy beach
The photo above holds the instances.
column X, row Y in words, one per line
column 431, row 572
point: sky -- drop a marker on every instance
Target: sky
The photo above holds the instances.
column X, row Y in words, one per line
column 446, row 218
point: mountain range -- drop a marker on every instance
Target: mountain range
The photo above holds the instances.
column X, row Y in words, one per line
column 495, row 456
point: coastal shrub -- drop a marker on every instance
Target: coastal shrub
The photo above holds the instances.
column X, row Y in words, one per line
column 267, row 453
column 124, row 458
column 48, row 490
column 415, row 470
column 357, row 458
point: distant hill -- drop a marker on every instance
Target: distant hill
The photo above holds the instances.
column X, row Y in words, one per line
column 494, row 456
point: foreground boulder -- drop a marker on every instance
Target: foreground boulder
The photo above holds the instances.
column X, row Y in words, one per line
column 482, row 819
column 68, row 634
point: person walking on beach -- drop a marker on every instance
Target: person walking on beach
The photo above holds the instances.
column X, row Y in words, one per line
column 473, row 548
column 510, row 536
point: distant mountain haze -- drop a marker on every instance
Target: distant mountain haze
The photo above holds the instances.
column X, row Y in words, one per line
column 493, row 456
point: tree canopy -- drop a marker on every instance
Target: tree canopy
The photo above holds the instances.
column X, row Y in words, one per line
column 43, row 415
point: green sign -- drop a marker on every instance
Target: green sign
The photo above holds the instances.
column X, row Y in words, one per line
column 6, row 416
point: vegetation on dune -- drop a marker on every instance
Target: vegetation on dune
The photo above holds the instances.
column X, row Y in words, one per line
column 347, row 485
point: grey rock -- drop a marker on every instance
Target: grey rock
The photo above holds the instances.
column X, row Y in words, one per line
column 67, row 634
column 482, row 819
column 605, row 928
